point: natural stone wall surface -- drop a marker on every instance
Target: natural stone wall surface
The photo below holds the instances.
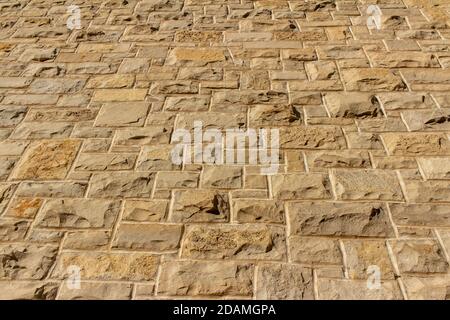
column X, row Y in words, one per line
column 88, row 116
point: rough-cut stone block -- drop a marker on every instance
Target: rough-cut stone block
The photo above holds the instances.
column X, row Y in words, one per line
column 264, row 211
column 339, row 219
column 121, row 184
column 284, row 282
column 145, row 210
column 200, row 206
column 312, row 137
column 96, row 291
column 234, row 242
column 361, row 255
column 366, row 185
column 151, row 237
column 108, row 266
column 301, row 186
column 194, row 278
column 314, row 251
column 417, row 144
column 129, row 114
column 337, row 289
column 79, row 213
column 352, row 105
column 420, row 256
column 48, row 160
column 20, row 262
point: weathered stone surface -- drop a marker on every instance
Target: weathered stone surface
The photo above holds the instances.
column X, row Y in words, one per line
column 129, row 114
column 87, row 240
column 435, row 168
column 195, row 56
column 428, row 191
column 10, row 116
column 24, row 208
column 427, row 120
column 374, row 79
column 53, row 189
column 312, row 137
column 104, row 162
column 429, row 215
column 152, row 237
column 366, row 184
column 339, row 219
column 22, row 262
column 284, row 282
column 420, row 256
column 79, row 213
column 28, row 290
column 352, row 105
column 337, row 159
column 336, row 289
column 181, row 278
column 56, row 85
column 89, row 120
column 403, row 59
column 131, row 139
column 169, row 180
column 234, row 242
column 222, row 177
column 416, row 144
column 200, row 206
column 145, row 210
column 121, row 184
column 314, row 251
column 361, row 255
column 12, row 230
column 427, row 288
column 108, row 266
column 97, row 291
column 266, row 115
column 42, row 130
column 48, row 160
column 265, row 211
column 301, row 186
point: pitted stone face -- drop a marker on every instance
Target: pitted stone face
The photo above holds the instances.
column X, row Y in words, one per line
column 224, row 149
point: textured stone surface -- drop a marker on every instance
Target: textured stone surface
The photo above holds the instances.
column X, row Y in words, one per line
column 21, row 262
column 79, row 213
column 301, row 186
column 181, row 278
column 108, row 266
column 48, row 160
column 152, row 237
column 328, row 218
column 367, row 184
column 200, row 206
column 336, row 289
column 89, row 120
column 420, row 256
column 236, row 242
column 284, row 282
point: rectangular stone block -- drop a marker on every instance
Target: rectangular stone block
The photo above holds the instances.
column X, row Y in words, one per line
column 234, row 242
column 151, row 237
column 108, row 266
column 195, row 278
column 121, row 184
column 339, row 219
